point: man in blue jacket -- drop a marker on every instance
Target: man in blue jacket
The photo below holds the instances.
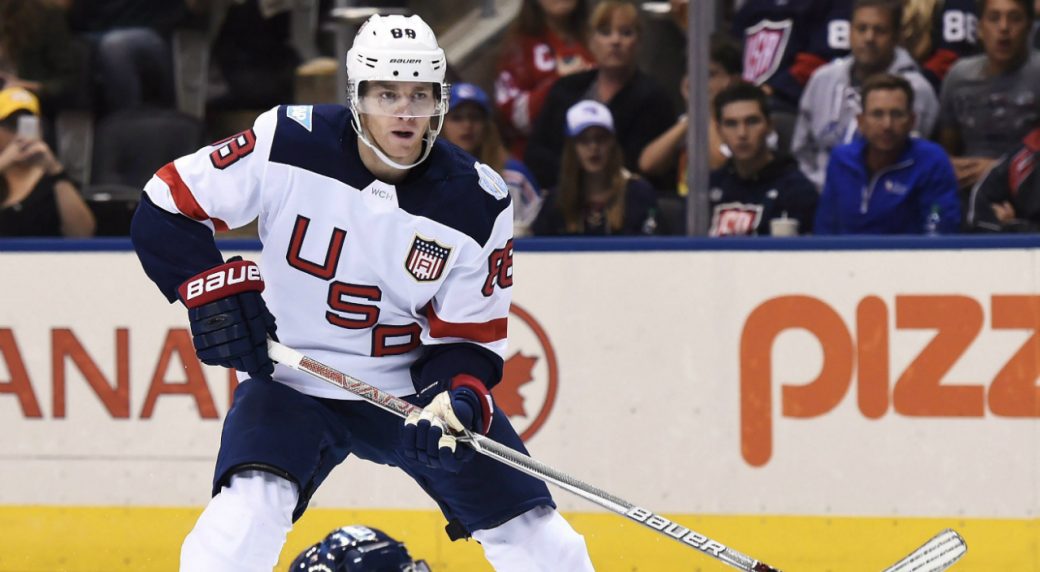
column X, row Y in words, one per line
column 887, row 182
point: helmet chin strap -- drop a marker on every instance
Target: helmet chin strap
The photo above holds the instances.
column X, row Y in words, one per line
column 428, row 140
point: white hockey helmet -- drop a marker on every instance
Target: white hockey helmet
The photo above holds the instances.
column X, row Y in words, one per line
column 397, row 48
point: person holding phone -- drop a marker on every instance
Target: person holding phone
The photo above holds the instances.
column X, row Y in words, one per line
column 36, row 197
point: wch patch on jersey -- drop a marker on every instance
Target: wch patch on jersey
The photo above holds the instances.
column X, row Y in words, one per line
column 426, row 259
column 764, row 47
column 300, row 114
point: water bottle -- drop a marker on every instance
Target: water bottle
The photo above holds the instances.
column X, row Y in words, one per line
column 650, row 224
column 931, row 224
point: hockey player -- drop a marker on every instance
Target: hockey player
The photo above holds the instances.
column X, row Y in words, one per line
column 386, row 254
column 357, row 549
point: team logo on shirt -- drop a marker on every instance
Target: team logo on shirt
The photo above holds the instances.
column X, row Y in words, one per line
column 764, row 47
column 735, row 219
column 426, row 259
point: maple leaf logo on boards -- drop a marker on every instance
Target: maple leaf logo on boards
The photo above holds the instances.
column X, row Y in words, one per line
column 516, row 373
column 527, row 391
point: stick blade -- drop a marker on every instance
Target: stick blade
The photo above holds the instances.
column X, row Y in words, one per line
column 939, row 553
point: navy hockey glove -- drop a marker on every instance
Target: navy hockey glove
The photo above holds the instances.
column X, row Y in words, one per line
column 230, row 322
column 429, row 436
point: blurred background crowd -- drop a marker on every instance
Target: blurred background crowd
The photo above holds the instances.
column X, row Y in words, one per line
column 827, row 116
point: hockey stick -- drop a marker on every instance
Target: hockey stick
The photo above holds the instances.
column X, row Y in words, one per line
column 939, row 553
column 936, row 555
column 523, row 463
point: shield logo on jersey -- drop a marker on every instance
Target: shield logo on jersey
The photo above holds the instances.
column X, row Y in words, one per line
column 735, row 219
column 764, row 47
column 426, row 259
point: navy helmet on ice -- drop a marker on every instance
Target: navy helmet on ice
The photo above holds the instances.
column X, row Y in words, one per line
column 357, row 549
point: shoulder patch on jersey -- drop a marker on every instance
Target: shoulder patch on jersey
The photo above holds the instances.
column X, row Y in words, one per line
column 426, row 259
column 300, row 114
column 491, row 181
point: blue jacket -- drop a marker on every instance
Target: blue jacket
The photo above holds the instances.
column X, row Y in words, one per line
column 896, row 200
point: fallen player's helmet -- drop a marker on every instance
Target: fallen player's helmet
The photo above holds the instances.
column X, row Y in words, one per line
column 357, row 549
column 397, row 49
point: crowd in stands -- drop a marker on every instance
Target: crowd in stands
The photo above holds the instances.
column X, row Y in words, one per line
column 827, row 116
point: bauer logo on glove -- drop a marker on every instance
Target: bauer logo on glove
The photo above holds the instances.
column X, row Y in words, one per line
column 230, row 322
column 231, row 278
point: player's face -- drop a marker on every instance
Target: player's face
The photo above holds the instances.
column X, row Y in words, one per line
column 1004, row 30
column 397, row 115
column 887, row 120
column 873, row 37
column 614, row 43
column 464, row 126
column 743, row 127
column 593, row 147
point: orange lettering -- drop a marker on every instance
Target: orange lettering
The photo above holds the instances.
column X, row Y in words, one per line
column 115, row 399
column 919, row 390
column 179, row 341
column 872, row 356
column 761, row 329
column 19, row 384
column 1014, row 392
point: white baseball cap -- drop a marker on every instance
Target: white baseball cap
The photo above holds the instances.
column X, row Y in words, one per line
column 588, row 113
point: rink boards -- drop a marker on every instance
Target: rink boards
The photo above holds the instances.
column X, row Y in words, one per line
column 819, row 409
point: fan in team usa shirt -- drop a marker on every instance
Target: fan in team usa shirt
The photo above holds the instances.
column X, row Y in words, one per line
column 386, row 254
column 786, row 40
column 756, row 185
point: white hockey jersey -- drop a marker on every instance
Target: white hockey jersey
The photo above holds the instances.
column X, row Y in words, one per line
column 359, row 273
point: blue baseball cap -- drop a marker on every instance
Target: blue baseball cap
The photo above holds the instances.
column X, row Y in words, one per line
column 466, row 92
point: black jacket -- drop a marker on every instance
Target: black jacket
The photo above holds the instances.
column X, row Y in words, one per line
column 745, row 206
column 641, row 111
column 1013, row 180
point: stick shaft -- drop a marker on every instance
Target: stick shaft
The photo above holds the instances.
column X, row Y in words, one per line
column 936, row 555
column 525, row 464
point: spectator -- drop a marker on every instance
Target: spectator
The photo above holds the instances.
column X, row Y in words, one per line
column 939, row 32
column 887, row 182
column 596, row 195
column 756, row 185
column 641, row 109
column 36, row 197
column 1008, row 197
column 39, row 53
column 255, row 57
column 546, row 41
column 668, row 150
column 989, row 102
column 469, row 125
column 784, row 42
column 830, row 103
column 130, row 41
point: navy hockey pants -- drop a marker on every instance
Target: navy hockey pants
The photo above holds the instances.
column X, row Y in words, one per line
column 273, row 427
